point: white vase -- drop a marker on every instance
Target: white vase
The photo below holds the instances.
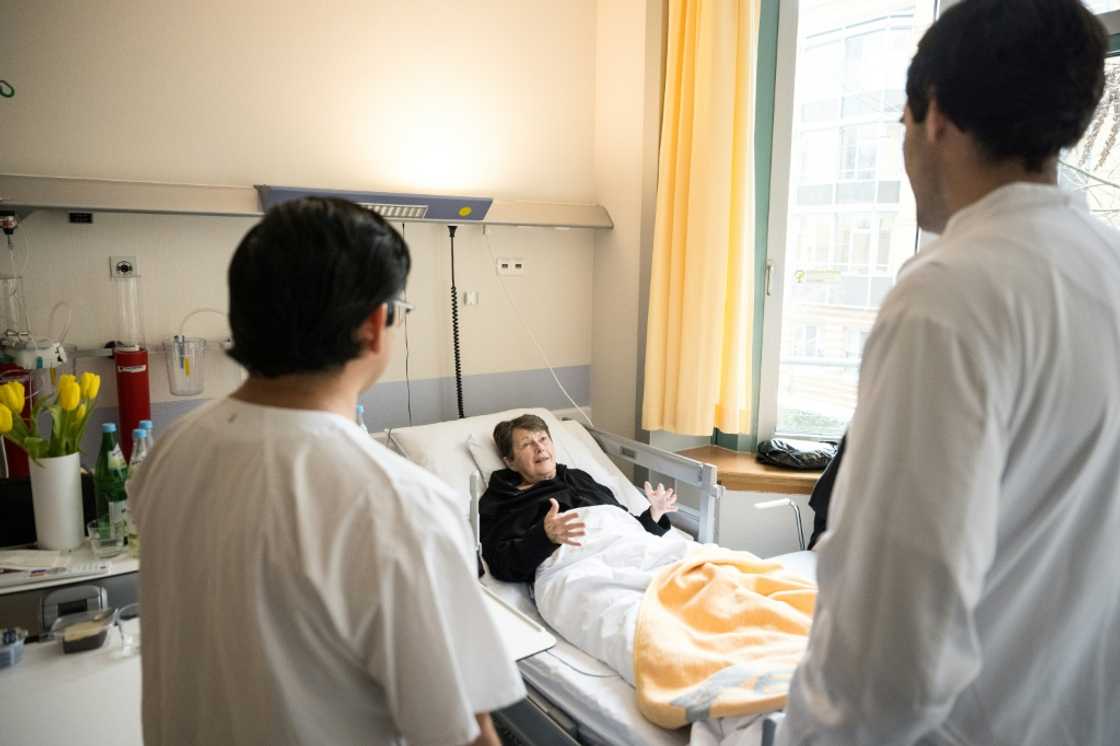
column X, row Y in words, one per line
column 56, row 493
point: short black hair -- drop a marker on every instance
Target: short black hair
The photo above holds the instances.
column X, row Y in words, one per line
column 1023, row 77
column 503, row 431
column 304, row 279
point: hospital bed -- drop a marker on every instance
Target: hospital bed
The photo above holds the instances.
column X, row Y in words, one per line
column 573, row 698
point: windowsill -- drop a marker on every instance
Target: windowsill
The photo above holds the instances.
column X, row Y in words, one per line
column 740, row 472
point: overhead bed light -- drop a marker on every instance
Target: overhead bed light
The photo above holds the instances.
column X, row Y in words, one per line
column 390, row 205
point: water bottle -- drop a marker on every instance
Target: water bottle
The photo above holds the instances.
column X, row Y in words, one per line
column 149, row 440
column 360, row 418
column 140, row 438
column 108, row 484
column 139, row 448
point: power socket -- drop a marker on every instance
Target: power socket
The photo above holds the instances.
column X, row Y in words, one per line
column 511, row 266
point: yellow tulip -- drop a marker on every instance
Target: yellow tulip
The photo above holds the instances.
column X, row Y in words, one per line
column 16, row 396
column 66, row 378
column 91, row 384
column 69, row 393
column 81, row 412
column 5, row 420
column 11, row 396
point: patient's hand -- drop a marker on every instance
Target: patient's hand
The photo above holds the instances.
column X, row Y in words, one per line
column 661, row 501
column 563, row 528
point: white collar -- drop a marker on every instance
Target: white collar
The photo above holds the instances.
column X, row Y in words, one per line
column 1013, row 197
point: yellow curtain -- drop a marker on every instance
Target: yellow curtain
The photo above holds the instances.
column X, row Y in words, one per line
column 701, row 303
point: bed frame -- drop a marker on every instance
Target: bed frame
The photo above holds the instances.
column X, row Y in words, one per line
column 702, row 523
column 535, row 721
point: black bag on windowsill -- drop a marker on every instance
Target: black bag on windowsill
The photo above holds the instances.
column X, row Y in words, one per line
column 808, row 455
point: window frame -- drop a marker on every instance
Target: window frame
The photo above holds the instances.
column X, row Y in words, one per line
column 778, row 224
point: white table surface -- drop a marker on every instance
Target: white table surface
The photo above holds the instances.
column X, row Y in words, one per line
column 119, row 565
column 53, row 699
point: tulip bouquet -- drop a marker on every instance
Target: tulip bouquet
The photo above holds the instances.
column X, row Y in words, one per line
column 69, row 410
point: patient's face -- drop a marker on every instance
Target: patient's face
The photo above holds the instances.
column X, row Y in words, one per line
column 534, row 456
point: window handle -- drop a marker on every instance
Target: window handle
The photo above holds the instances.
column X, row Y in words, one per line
column 768, row 282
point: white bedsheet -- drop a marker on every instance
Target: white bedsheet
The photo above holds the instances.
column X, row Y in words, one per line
column 586, row 689
column 591, row 594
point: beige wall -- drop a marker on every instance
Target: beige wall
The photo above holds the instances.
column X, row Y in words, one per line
column 627, row 123
column 488, row 97
column 493, row 97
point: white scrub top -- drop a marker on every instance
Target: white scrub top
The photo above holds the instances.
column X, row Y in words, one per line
column 301, row 584
column 970, row 577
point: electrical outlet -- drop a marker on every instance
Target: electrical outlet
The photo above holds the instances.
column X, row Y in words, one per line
column 121, row 267
column 511, row 266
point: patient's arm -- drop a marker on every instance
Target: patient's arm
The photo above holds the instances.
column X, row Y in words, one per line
column 563, row 528
column 661, row 500
column 587, row 486
column 487, row 736
column 511, row 552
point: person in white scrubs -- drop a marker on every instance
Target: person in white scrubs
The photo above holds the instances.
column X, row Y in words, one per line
column 301, row 584
column 970, row 577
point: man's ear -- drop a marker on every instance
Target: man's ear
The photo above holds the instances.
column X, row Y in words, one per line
column 937, row 124
column 371, row 332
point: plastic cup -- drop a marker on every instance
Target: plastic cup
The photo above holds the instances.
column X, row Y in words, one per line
column 103, row 540
column 186, row 365
column 128, row 623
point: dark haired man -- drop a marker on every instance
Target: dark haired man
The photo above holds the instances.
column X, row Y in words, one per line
column 968, row 579
column 520, row 512
column 302, row 584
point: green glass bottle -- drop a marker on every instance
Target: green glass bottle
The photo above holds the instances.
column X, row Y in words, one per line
column 108, row 484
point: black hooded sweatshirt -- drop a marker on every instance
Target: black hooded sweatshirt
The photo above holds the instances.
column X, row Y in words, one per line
column 514, row 542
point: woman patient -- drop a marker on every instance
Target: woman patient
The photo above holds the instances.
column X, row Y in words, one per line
column 529, row 509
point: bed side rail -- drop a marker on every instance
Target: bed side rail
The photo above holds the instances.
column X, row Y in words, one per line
column 703, row 523
column 534, row 721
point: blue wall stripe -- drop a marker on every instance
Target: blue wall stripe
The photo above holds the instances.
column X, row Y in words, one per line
column 433, row 400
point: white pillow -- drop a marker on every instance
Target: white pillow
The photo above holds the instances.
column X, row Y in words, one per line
column 575, row 448
column 441, row 447
column 484, row 453
column 599, row 465
column 444, row 448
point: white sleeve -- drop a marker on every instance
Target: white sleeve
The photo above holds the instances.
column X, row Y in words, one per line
column 911, row 536
column 433, row 646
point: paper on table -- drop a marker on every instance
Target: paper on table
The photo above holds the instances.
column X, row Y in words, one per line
column 31, row 559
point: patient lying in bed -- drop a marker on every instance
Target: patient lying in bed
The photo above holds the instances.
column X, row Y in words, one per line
column 699, row 631
column 520, row 513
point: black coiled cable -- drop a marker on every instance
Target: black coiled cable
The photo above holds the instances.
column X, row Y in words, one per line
column 455, row 325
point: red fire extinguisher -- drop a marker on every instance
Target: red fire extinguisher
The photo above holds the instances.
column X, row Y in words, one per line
column 133, row 392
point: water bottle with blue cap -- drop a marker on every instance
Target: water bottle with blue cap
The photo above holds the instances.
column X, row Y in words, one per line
column 149, row 439
column 360, row 418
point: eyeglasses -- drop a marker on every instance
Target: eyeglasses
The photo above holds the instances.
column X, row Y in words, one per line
column 396, row 311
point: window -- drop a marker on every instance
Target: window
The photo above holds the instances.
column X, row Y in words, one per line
column 1102, row 6
column 1093, row 166
column 857, row 338
column 850, row 221
column 848, row 224
column 806, row 341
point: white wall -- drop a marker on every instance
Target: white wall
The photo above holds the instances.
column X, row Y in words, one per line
column 492, row 97
column 765, row 533
column 627, row 124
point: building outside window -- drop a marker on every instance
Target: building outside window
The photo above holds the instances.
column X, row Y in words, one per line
column 849, row 221
column 851, row 218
